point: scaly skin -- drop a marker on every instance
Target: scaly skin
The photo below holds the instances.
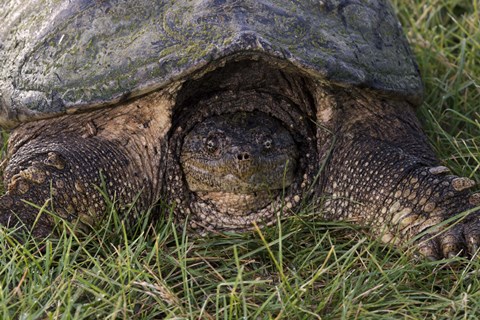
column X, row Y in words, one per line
column 45, row 172
column 65, row 164
column 382, row 173
column 379, row 171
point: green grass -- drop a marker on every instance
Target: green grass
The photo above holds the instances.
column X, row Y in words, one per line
column 301, row 269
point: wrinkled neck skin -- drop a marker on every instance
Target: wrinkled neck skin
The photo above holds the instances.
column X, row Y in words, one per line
column 236, row 88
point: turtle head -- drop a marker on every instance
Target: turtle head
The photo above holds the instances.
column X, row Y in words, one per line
column 239, row 153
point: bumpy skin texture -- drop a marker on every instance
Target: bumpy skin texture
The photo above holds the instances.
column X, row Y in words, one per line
column 72, row 173
column 383, row 173
column 249, row 87
column 378, row 169
column 47, row 168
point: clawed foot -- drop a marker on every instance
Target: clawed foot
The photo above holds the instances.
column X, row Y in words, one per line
column 449, row 223
column 462, row 237
column 25, row 217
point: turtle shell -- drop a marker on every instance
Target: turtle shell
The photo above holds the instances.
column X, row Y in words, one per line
column 59, row 56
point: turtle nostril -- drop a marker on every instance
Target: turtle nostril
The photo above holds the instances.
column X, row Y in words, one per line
column 243, row 156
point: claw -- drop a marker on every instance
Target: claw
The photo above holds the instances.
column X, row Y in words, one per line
column 472, row 246
column 474, row 199
column 472, row 236
column 450, row 244
column 460, row 184
column 439, row 170
column 429, row 249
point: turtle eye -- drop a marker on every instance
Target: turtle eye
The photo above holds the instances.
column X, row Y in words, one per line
column 211, row 144
column 267, row 144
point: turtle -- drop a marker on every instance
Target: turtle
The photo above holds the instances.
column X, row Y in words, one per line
column 233, row 112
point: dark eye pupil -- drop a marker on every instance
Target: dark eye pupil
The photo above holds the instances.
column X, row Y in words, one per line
column 267, row 144
column 211, row 145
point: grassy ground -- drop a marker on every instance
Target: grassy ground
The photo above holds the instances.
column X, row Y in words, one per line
column 301, row 269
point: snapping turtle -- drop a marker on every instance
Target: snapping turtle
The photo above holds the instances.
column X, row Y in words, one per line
column 232, row 110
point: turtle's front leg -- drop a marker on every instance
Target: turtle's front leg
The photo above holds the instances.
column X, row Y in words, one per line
column 400, row 196
column 67, row 175
column 383, row 174
column 69, row 164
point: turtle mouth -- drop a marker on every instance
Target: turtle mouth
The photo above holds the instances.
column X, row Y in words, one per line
column 271, row 177
column 246, row 184
column 239, row 204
